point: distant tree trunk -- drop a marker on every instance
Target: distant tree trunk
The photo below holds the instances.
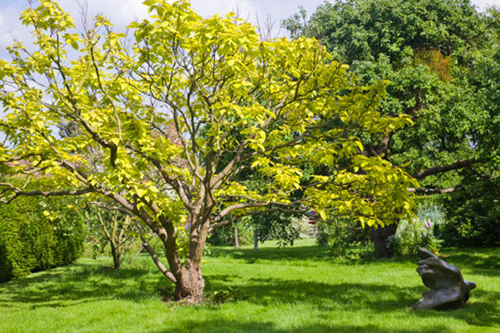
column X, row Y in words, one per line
column 380, row 237
column 255, row 240
column 116, row 256
column 236, row 242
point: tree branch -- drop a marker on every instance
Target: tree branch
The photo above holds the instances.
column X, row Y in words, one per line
column 430, row 191
column 19, row 192
column 454, row 166
column 154, row 256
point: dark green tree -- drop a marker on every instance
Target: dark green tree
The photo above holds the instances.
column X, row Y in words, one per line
column 432, row 53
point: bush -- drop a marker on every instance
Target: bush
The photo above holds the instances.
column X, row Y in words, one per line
column 410, row 236
column 472, row 222
column 345, row 237
column 32, row 239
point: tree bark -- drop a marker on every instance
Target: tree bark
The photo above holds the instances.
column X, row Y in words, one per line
column 380, row 237
column 255, row 240
column 444, row 168
column 236, row 242
column 116, row 256
column 190, row 284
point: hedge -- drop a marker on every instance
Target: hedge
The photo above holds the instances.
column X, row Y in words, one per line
column 31, row 240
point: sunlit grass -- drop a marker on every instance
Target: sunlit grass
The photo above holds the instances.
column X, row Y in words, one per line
column 297, row 289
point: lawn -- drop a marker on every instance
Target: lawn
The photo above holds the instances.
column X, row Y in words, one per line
column 296, row 289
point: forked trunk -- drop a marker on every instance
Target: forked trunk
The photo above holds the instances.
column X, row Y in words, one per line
column 189, row 283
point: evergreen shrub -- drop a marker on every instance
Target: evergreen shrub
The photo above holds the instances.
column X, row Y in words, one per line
column 32, row 238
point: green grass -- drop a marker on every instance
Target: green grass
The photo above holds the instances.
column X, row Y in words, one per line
column 296, row 289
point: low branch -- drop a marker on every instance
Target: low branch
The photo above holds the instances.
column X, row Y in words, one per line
column 18, row 192
column 454, row 166
column 256, row 204
column 430, row 191
column 154, row 256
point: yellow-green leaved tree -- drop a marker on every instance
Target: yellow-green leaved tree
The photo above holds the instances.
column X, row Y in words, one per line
column 177, row 116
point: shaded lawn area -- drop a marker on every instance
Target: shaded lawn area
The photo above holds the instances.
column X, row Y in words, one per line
column 296, row 289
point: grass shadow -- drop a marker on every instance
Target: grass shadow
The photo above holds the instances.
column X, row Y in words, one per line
column 484, row 261
column 91, row 281
column 222, row 326
column 79, row 283
column 379, row 299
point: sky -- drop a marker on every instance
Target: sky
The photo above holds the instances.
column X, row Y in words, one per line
column 122, row 12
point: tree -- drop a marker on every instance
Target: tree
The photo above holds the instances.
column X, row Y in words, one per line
column 426, row 50
column 473, row 212
column 168, row 108
column 110, row 227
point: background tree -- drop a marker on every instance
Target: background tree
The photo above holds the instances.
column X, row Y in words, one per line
column 473, row 213
column 109, row 227
column 145, row 104
column 428, row 50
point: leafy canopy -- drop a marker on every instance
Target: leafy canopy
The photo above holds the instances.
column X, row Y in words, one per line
column 182, row 109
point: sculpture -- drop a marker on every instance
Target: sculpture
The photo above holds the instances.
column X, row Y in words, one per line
column 448, row 288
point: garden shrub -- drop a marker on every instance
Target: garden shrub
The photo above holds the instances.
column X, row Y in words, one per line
column 345, row 238
column 410, row 236
column 285, row 228
column 422, row 231
column 33, row 239
column 472, row 222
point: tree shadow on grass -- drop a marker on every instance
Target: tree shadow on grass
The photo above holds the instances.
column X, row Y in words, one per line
column 376, row 298
column 299, row 255
column 325, row 296
column 80, row 283
column 479, row 262
column 474, row 258
column 223, row 326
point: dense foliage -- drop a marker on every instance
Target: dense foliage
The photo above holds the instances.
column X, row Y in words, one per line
column 346, row 239
column 165, row 111
column 32, row 238
column 441, row 58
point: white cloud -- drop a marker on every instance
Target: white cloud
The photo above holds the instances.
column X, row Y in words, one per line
column 483, row 4
column 10, row 26
column 209, row 8
column 122, row 12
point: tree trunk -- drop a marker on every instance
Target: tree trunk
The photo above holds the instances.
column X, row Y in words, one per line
column 190, row 284
column 116, row 256
column 255, row 240
column 236, row 242
column 380, row 237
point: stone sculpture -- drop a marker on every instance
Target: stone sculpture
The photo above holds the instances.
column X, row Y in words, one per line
column 448, row 288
